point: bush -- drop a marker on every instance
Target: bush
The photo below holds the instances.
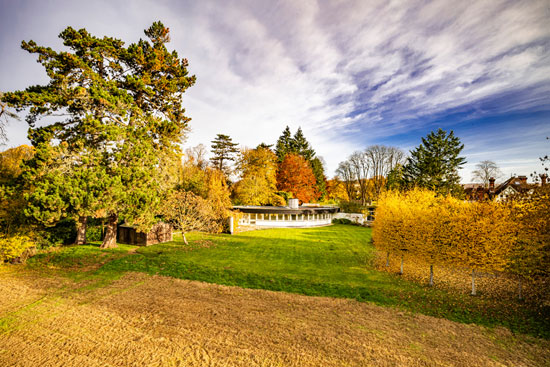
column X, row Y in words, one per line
column 342, row 221
column 12, row 247
column 63, row 233
column 94, row 233
column 351, row 207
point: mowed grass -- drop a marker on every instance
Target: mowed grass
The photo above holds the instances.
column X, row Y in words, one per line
column 334, row 261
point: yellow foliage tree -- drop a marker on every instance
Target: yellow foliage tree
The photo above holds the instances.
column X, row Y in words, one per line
column 258, row 170
column 445, row 230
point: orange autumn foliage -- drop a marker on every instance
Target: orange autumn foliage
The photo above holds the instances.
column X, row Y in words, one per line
column 296, row 176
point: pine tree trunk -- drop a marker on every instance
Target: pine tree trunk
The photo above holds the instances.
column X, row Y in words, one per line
column 473, row 283
column 401, row 270
column 110, row 235
column 431, row 275
column 520, row 294
column 387, row 259
column 81, row 225
column 184, row 239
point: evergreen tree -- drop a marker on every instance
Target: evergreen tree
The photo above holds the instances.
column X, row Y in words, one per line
column 224, row 150
column 299, row 145
column 123, row 121
column 320, row 178
column 434, row 164
column 284, row 144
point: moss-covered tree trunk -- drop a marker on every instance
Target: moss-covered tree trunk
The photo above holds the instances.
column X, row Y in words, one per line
column 110, row 235
column 388, row 259
column 431, row 275
column 81, row 226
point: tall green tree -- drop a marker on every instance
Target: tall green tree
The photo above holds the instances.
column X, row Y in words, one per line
column 318, row 169
column 434, row 164
column 224, row 150
column 122, row 123
column 284, row 144
column 299, row 145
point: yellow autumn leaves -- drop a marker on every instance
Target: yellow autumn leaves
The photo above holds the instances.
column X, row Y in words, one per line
column 482, row 236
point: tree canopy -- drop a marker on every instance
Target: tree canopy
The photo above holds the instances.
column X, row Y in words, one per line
column 296, row 176
column 224, row 150
column 122, row 119
column 434, row 164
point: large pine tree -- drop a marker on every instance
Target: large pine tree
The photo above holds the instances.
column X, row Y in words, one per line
column 300, row 145
column 284, row 144
column 122, row 122
column 434, row 164
column 224, row 150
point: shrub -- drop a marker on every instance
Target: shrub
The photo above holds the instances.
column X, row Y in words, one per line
column 13, row 246
column 342, row 221
column 351, row 207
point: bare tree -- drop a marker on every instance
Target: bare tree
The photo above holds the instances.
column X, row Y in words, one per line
column 484, row 171
column 188, row 212
column 197, row 155
column 361, row 167
column 5, row 115
column 347, row 175
column 382, row 159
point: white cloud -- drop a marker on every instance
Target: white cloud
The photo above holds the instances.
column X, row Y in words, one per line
column 263, row 65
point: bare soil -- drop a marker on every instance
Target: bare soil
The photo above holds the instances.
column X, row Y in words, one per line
column 142, row 320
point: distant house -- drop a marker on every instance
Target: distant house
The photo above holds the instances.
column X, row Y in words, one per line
column 510, row 187
column 292, row 215
column 160, row 232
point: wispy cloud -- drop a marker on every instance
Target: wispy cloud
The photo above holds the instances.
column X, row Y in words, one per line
column 350, row 73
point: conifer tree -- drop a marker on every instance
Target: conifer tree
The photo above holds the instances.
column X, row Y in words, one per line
column 320, row 178
column 122, row 118
column 434, row 164
column 284, row 144
column 224, row 150
column 299, row 145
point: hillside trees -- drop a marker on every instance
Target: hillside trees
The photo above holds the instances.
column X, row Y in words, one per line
column 223, row 150
column 122, row 115
column 296, row 176
column 434, row 164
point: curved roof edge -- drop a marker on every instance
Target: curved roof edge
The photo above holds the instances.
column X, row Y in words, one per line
column 286, row 209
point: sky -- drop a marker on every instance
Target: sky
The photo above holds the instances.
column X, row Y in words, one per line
column 350, row 73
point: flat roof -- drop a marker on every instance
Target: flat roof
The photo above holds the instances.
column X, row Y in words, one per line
column 286, row 209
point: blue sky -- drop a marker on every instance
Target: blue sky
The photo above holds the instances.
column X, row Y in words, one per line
column 350, row 73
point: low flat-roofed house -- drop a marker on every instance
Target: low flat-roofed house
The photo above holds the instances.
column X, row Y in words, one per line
column 289, row 216
column 160, row 232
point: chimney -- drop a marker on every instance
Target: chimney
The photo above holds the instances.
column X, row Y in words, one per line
column 293, row 203
column 492, row 184
column 523, row 180
column 543, row 178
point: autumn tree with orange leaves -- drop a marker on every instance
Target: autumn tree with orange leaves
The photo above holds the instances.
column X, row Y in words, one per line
column 296, row 176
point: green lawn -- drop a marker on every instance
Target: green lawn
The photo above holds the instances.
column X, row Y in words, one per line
column 334, row 261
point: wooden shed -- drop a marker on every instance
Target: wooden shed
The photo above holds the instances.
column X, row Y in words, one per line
column 161, row 232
